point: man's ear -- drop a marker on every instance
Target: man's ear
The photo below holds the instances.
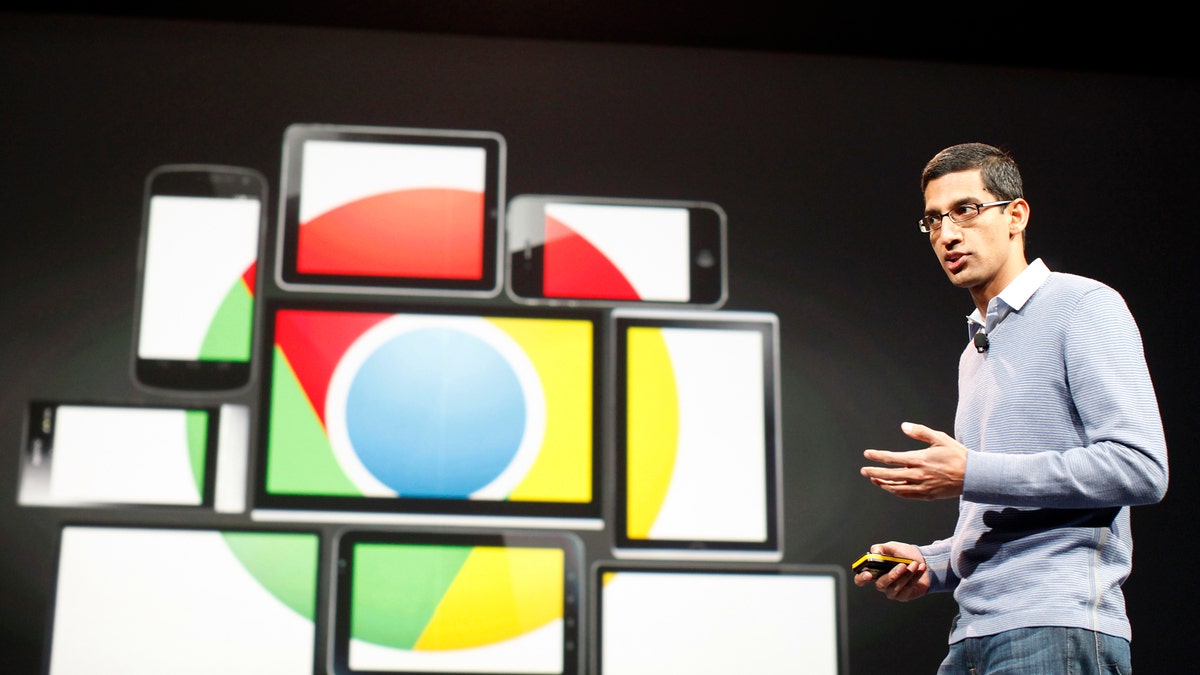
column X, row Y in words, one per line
column 1018, row 213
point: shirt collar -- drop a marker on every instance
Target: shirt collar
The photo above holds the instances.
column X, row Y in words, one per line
column 1013, row 297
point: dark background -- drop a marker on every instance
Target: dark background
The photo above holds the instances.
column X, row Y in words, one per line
column 808, row 126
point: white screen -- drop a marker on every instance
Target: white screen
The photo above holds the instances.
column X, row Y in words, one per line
column 197, row 249
column 646, row 246
column 125, row 455
column 722, row 440
column 718, row 623
column 151, row 601
column 696, row 435
column 339, row 172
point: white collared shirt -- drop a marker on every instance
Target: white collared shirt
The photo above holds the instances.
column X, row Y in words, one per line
column 1013, row 297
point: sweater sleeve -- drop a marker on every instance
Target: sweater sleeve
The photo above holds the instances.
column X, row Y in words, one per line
column 937, row 561
column 1122, row 460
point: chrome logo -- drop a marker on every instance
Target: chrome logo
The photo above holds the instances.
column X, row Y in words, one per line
column 228, row 335
column 435, row 233
column 467, row 421
column 432, row 406
column 461, row 608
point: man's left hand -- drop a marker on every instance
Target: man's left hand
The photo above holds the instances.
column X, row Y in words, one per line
column 935, row 472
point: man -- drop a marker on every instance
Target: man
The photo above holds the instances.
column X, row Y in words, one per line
column 1057, row 434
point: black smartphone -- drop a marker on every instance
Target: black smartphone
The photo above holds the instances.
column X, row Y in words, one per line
column 589, row 250
column 202, row 234
column 877, row 564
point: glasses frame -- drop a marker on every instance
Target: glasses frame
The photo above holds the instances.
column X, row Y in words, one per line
column 921, row 224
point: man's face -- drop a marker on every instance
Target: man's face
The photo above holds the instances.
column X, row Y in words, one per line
column 982, row 254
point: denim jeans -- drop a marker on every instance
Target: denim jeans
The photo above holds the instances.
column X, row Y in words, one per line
column 1045, row 650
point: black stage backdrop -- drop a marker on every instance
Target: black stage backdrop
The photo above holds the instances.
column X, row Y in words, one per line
column 815, row 159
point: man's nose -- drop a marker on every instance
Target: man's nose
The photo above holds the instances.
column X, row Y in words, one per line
column 949, row 230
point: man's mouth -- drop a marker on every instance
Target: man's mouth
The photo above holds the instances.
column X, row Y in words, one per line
column 955, row 262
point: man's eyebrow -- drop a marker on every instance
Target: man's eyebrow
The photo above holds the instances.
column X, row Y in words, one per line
column 930, row 211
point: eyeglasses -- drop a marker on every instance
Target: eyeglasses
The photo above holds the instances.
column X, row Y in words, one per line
column 959, row 214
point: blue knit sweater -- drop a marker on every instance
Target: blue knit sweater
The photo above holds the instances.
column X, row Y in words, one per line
column 1062, row 426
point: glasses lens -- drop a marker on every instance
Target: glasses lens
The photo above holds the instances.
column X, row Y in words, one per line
column 926, row 224
column 964, row 212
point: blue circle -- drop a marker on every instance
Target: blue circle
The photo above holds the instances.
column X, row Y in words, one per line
column 435, row 412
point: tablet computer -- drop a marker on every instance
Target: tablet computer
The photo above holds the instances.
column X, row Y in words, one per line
column 713, row 618
column 390, row 210
column 457, row 602
column 96, row 454
column 697, row 435
column 156, row 600
column 430, row 416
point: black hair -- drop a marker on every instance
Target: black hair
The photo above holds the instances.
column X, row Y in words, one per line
column 997, row 168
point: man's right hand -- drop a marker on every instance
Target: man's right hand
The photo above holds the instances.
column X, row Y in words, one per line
column 903, row 582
